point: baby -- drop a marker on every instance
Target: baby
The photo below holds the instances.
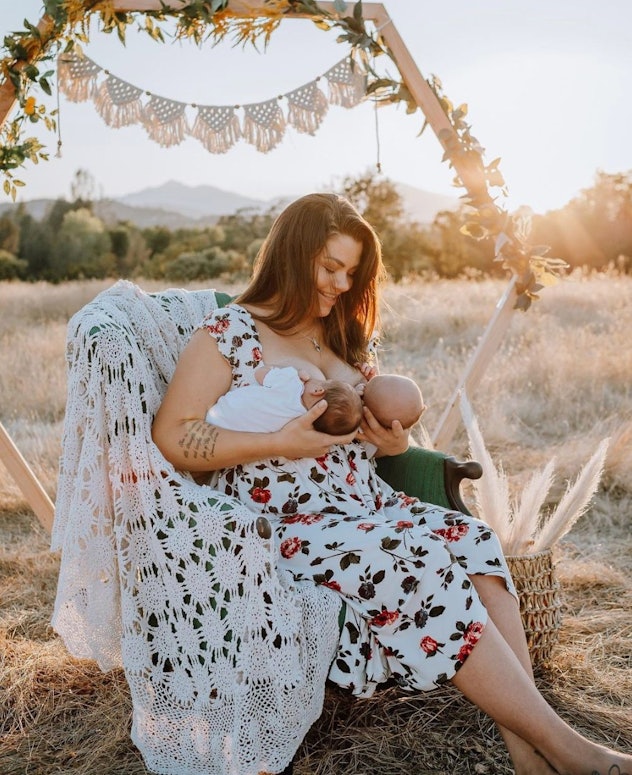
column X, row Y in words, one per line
column 392, row 397
column 280, row 395
column 283, row 393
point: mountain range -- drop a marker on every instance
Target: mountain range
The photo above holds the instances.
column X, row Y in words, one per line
column 176, row 205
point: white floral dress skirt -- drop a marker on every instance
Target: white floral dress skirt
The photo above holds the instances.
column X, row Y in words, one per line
column 401, row 566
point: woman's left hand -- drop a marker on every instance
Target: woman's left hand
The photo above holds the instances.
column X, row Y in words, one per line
column 389, row 441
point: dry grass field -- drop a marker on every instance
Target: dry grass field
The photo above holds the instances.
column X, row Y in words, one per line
column 561, row 382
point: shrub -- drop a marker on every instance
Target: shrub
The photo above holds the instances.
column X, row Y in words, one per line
column 11, row 267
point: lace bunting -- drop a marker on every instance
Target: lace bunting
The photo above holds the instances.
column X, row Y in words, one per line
column 264, row 125
column 308, row 107
column 217, row 127
column 347, row 83
column 77, row 77
column 165, row 121
column 118, row 102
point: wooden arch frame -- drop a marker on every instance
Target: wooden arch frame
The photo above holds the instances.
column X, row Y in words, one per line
column 424, row 97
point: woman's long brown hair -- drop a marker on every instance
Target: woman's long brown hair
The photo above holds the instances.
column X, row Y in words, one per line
column 285, row 270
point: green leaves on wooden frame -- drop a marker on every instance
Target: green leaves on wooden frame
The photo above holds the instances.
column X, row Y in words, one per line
column 531, row 265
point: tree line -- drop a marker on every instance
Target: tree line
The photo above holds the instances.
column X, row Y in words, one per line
column 71, row 242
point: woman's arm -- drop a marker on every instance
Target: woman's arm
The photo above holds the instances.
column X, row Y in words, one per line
column 183, row 436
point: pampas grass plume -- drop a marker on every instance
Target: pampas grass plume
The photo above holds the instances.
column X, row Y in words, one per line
column 525, row 519
column 519, row 525
column 492, row 490
column 575, row 501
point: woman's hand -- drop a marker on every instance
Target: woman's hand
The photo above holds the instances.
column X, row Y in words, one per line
column 298, row 438
column 368, row 370
column 389, row 441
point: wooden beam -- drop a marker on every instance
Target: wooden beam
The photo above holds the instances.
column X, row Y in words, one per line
column 485, row 350
column 35, row 494
column 427, row 100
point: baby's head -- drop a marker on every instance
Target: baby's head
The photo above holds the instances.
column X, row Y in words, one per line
column 344, row 405
column 392, row 397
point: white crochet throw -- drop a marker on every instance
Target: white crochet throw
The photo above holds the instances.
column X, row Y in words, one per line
column 226, row 659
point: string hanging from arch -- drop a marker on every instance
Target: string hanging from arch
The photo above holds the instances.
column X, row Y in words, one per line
column 218, row 127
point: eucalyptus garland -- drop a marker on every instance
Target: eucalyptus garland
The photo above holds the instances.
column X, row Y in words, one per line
column 66, row 24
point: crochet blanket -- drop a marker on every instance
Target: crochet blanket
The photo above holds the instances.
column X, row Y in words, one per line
column 226, row 658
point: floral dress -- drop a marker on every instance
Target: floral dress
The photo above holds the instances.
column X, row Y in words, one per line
column 400, row 565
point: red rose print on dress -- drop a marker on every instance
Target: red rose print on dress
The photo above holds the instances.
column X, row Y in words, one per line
column 473, row 633
column 290, row 547
column 429, row 645
column 304, row 519
column 332, row 585
column 470, row 636
column 291, row 519
column 311, row 519
column 384, row 618
column 464, row 652
column 219, row 327
column 350, row 479
column 403, row 524
column 322, row 462
column 366, row 526
column 452, row 533
column 259, row 495
column 256, row 354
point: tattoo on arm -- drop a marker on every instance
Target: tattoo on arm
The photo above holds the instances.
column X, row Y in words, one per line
column 199, row 440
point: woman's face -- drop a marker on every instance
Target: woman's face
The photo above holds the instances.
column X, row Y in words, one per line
column 335, row 268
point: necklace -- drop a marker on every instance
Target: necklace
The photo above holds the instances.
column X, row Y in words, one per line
column 314, row 341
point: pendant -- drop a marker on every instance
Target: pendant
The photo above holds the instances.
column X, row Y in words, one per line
column 314, row 341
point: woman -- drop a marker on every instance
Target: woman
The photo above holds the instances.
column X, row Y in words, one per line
column 428, row 594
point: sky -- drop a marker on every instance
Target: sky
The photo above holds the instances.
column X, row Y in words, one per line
column 547, row 84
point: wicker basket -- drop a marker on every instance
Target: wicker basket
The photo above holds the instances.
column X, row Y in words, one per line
column 540, row 603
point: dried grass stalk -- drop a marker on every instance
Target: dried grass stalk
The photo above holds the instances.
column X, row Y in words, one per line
column 575, row 501
column 492, row 490
column 525, row 518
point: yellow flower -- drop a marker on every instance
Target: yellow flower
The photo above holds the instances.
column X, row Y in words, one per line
column 29, row 106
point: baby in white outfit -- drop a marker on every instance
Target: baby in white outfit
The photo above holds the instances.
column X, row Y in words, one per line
column 281, row 394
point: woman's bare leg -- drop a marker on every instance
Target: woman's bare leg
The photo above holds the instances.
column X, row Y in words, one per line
column 496, row 681
column 504, row 612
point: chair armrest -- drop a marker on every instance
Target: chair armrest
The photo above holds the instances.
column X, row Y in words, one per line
column 431, row 476
column 453, row 473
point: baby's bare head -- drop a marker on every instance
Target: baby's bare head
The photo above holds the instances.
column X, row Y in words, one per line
column 393, row 397
column 344, row 407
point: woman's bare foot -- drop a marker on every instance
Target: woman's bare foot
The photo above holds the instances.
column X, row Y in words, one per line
column 611, row 764
column 613, row 770
column 525, row 759
column 537, row 765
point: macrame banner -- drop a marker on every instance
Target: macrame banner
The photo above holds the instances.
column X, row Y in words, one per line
column 118, row 102
column 164, row 121
column 217, row 127
column 264, row 125
column 308, row 106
